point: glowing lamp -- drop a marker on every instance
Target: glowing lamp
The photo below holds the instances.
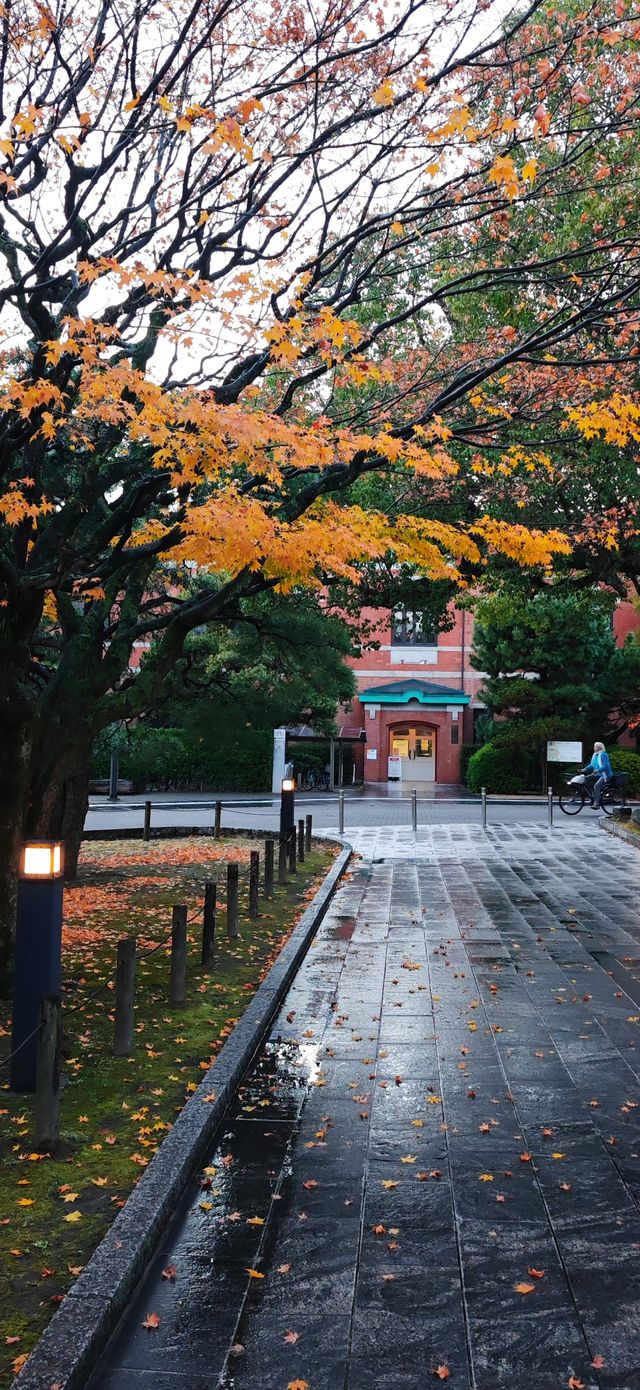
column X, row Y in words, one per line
column 44, row 859
column 288, row 784
column 287, row 799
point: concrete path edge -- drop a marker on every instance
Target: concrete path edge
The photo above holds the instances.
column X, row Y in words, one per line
column 620, row 832
column 79, row 1331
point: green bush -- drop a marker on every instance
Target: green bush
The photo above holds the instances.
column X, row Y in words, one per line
column 466, row 753
column 162, row 758
column 625, row 760
column 499, row 768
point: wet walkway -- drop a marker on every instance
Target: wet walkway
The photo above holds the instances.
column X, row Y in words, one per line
column 434, row 1171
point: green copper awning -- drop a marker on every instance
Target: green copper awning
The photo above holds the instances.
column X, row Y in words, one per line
column 425, row 692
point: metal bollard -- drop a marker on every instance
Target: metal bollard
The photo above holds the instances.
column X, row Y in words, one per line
column 47, row 1108
column 125, row 985
column 113, row 777
column 254, row 883
column 550, row 809
column 232, row 901
column 341, row 813
column 414, row 811
column 217, row 820
column 209, row 926
column 483, row 794
column 301, row 841
column 269, row 846
column 307, row 834
column 146, row 832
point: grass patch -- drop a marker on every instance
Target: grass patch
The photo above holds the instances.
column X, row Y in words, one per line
column 115, row 1111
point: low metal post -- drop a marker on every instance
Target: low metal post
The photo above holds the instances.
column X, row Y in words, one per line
column 254, row 883
column 414, row 811
column 550, row 808
column 125, row 985
column 307, row 834
column 209, row 926
column 232, row 901
column 269, row 846
column 178, row 979
column 217, row 820
column 483, row 795
column 283, row 850
column 47, row 1109
column 146, row 833
column 301, row 841
column 113, row 777
column 341, row 813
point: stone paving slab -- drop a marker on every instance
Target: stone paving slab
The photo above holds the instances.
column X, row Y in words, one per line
column 434, row 1166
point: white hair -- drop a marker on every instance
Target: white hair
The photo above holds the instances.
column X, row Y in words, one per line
column 598, row 747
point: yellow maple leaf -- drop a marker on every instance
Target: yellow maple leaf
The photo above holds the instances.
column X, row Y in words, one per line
column 383, row 95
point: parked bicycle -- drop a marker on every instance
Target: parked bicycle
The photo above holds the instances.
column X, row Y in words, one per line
column 313, row 778
column 579, row 793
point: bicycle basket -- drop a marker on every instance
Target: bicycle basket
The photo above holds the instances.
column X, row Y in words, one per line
column 621, row 780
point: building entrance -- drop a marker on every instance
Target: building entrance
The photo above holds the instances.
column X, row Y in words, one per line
column 415, row 746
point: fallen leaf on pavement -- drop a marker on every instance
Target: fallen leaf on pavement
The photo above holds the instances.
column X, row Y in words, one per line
column 151, row 1321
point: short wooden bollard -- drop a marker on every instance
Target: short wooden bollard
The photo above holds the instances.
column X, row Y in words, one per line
column 301, row 841
column 232, row 901
column 47, row 1108
column 217, row 820
column 307, row 834
column 268, row 868
column 125, row 983
column 283, row 850
column 178, row 985
column 254, row 883
column 146, row 833
column 292, row 851
column 209, row 926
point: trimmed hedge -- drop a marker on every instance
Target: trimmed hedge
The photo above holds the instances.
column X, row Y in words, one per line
column 168, row 758
column 499, row 768
column 625, row 760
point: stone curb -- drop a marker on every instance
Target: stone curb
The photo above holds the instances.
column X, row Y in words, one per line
column 613, row 827
column 73, row 1341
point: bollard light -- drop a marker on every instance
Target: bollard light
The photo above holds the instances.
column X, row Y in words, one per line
column 287, row 801
column 38, row 951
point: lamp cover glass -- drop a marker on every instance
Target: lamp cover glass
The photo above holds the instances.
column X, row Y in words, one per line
column 288, row 785
column 41, row 860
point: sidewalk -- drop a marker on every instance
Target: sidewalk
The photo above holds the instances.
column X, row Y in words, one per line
column 433, row 1172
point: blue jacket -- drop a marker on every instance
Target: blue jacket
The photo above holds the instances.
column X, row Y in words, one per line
column 600, row 763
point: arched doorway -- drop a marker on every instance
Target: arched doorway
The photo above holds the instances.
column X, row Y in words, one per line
column 415, row 745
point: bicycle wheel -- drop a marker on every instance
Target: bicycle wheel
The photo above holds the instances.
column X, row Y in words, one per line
column 572, row 801
column 611, row 797
column 308, row 781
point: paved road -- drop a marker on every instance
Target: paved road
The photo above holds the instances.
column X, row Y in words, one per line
column 389, row 809
column 435, row 1164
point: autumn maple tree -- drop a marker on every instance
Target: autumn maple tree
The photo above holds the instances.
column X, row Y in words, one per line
column 221, row 221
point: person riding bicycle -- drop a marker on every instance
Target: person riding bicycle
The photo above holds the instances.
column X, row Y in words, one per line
column 600, row 771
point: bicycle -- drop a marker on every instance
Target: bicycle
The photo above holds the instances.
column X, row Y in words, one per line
column 313, row 779
column 578, row 794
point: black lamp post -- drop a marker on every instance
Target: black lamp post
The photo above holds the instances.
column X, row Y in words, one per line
column 38, row 952
column 287, row 795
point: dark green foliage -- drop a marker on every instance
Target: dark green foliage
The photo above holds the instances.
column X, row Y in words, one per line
column 498, row 769
column 240, row 760
column 625, row 760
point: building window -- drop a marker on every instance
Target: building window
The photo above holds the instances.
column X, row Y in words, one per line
column 411, row 629
column 455, row 733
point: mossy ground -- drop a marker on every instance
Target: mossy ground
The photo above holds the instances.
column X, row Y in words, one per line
column 115, row 1111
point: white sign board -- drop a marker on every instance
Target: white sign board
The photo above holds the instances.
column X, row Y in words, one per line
column 394, row 769
column 372, row 754
column 563, row 752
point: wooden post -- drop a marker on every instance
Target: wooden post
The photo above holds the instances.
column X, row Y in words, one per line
column 146, row 833
column 301, row 841
column 125, row 982
column 47, row 1109
column 282, row 857
column 292, row 851
column 209, row 926
column 269, row 846
column 217, row 820
column 232, row 901
column 178, row 986
column 307, row 834
column 254, row 883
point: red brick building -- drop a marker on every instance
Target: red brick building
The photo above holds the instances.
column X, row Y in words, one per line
column 418, row 696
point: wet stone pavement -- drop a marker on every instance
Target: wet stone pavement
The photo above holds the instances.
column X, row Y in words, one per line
column 433, row 1171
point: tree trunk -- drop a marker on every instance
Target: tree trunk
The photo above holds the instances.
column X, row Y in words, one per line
column 60, row 796
column 15, row 755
